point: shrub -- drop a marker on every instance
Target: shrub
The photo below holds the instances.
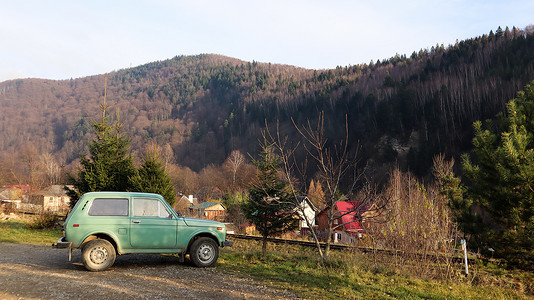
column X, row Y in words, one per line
column 46, row 220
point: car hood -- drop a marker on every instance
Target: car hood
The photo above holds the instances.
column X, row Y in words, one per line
column 194, row 222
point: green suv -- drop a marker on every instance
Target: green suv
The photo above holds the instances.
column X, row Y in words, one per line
column 104, row 224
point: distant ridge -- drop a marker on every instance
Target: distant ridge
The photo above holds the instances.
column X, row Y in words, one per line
column 403, row 110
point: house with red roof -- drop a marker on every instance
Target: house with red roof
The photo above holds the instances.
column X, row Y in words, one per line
column 25, row 188
column 348, row 220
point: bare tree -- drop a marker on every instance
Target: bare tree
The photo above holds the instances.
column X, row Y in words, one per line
column 167, row 156
column 234, row 161
column 31, row 165
column 51, row 168
column 185, row 180
column 336, row 171
column 13, row 167
column 5, row 173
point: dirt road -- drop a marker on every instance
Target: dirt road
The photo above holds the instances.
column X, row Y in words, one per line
column 40, row 272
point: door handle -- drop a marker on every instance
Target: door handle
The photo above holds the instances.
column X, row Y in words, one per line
column 136, row 221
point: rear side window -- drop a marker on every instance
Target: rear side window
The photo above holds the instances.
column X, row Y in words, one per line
column 109, row 207
column 149, row 208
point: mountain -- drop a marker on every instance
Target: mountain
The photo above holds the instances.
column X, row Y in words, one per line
column 402, row 110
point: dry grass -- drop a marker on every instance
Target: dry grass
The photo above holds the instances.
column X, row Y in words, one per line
column 353, row 275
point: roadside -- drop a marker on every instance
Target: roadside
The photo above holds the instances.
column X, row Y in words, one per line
column 41, row 272
column 242, row 272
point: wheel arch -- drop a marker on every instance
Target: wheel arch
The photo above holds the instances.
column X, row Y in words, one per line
column 201, row 235
column 102, row 236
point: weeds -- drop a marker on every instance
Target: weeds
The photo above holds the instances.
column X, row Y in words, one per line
column 354, row 275
column 46, row 220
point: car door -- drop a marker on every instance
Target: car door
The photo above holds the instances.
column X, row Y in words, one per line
column 152, row 225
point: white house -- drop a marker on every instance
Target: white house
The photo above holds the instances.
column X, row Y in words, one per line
column 306, row 210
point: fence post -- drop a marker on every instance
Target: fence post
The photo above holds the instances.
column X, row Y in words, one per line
column 464, row 247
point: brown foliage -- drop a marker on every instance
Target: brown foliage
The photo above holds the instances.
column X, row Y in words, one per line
column 316, row 194
column 418, row 225
column 203, row 106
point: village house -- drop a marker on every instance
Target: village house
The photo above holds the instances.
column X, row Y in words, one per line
column 52, row 199
column 306, row 210
column 348, row 223
column 208, row 210
column 23, row 188
column 13, row 196
column 183, row 203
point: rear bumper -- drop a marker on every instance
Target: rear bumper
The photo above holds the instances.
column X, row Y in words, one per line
column 61, row 243
column 227, row 243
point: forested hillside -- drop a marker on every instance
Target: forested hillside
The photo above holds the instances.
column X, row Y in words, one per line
column 401, row 110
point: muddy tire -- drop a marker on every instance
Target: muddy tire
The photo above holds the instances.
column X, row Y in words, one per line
column 204, row 252
column 98, row 255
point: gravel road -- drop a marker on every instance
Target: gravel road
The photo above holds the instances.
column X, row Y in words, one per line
column 41, row 272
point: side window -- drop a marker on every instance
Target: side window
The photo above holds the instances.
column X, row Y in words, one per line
column 109, row 207
column 149, row 208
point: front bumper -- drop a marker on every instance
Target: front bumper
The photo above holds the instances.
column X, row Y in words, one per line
column 61, row 243
column 227, row 243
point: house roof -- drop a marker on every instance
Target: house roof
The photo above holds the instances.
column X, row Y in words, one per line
column 209, row 206
column 350, row 211
column 26, row 188
column 5, row 195
column 9, row 194
column 54, row 190
column 182, row 202
column 304, row 199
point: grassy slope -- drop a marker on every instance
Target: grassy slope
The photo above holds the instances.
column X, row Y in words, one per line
column 356, row 276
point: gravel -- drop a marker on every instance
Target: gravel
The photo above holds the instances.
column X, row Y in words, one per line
column 41, row 272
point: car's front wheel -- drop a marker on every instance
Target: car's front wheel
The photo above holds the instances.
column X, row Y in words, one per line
column 98, row 255
column 204, row 252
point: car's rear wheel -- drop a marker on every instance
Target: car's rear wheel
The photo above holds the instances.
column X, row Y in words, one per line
column 98, row 255
column 204, row 252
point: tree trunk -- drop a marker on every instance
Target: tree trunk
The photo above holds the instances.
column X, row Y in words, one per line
column 328, row 241
column 264, row 245
column 329, row 235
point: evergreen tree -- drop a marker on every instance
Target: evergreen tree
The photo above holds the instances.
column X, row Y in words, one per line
column 269, row 206
column 501, row 178
column 109, row 165
column 152, row 177
column 461, row 206
column 499, row 32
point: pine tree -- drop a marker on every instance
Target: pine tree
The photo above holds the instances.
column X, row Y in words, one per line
column 269, row 206
column 461, row 206
column 151, row 177
column 501, row 178
column 109, row 165
column 499, row 32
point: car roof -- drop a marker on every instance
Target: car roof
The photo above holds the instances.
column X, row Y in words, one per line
column 122, row 194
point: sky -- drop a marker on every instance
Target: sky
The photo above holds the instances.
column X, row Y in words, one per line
column 63, row 39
